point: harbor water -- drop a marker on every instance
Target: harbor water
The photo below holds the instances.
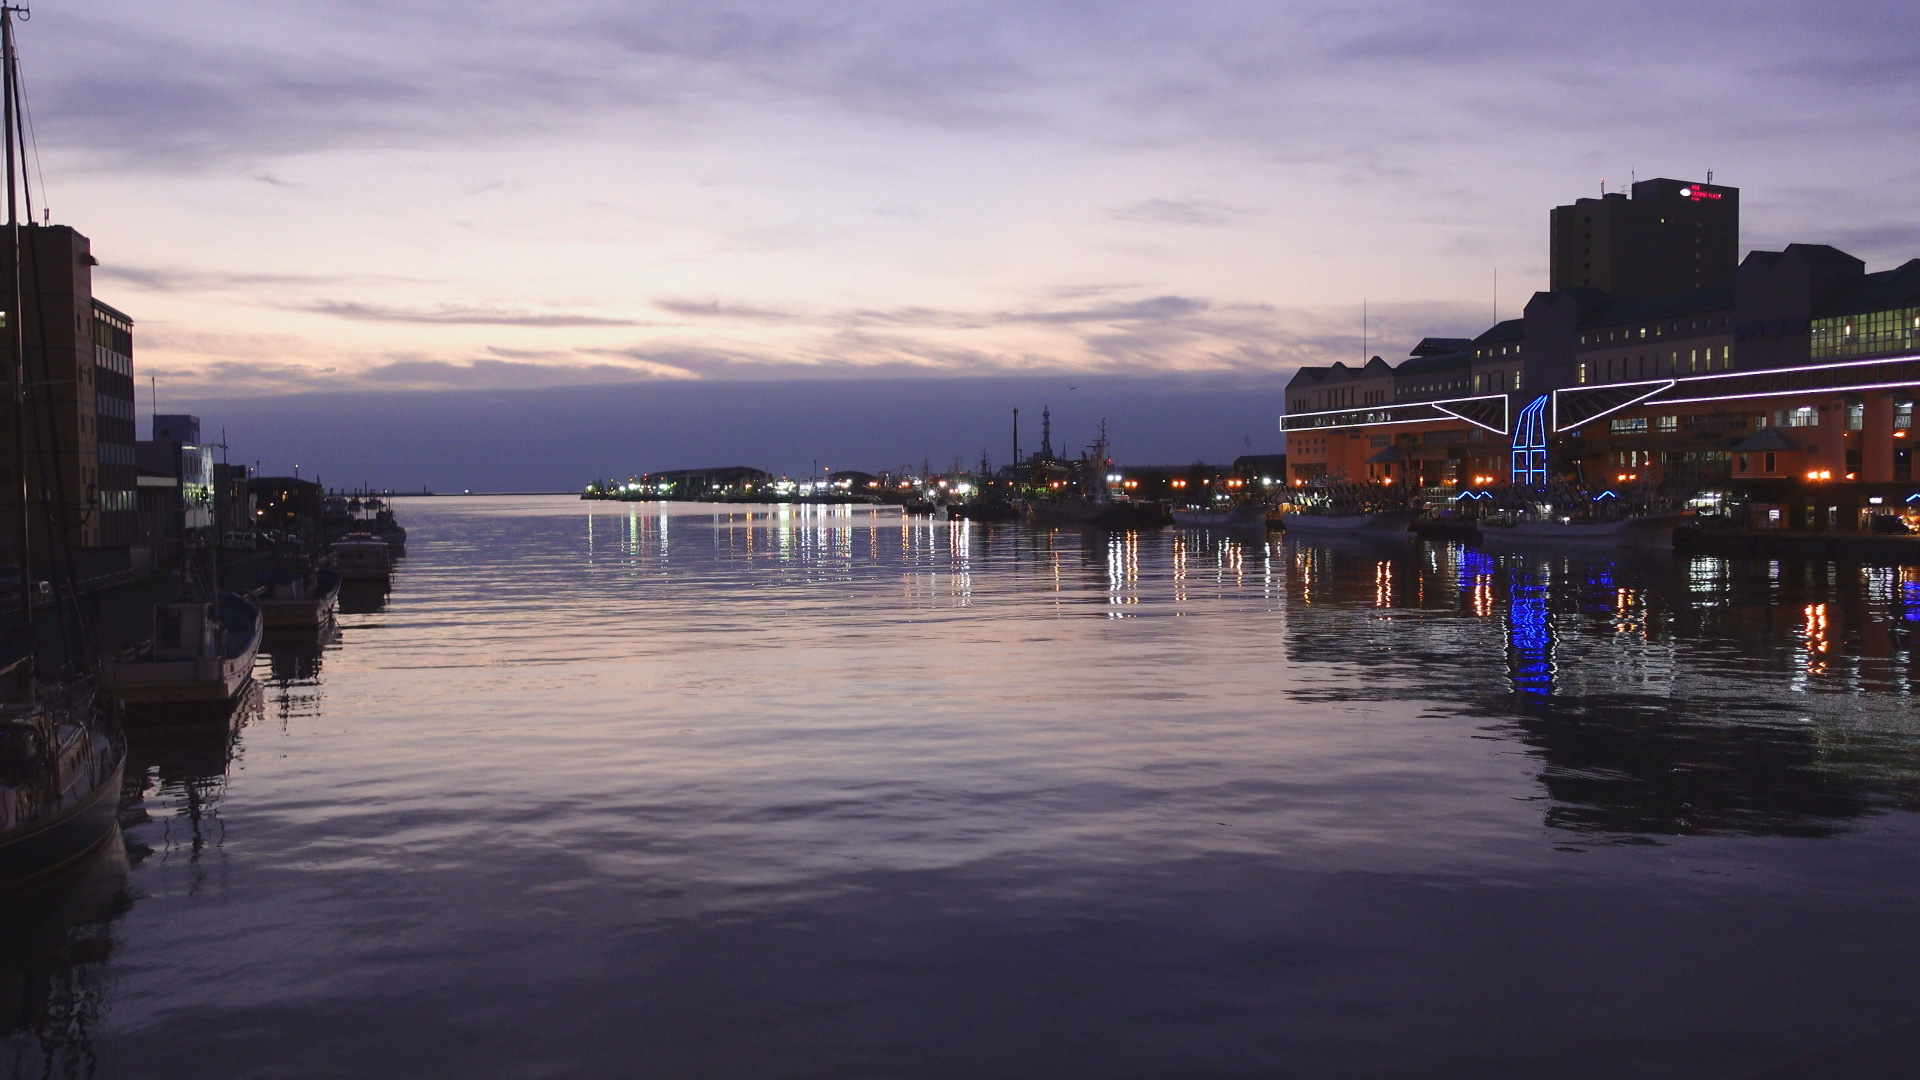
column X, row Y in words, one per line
column 614, row 790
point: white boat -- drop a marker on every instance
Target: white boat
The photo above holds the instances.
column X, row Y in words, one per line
column 201, row 652
column 299, row 600
column 360, row 557
column 1246, row 515
column 1383, row 521
column 1644, row 531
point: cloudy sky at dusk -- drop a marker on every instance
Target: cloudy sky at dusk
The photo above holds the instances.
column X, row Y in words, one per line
column 347, row 195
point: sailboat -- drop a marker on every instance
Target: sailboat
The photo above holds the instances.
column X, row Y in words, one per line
column 61, row 756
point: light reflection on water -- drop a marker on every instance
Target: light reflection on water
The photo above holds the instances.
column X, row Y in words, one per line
column 613, row 789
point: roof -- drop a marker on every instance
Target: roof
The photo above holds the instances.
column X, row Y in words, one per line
column 1389, row 456
column 1339, row 372
column 1434, row 346
column 272, row 483
column 1508, row 330
column 1896, row 288
column 1649, row 308
column 1423, row 365
column 99, row 305
column 1767, row 438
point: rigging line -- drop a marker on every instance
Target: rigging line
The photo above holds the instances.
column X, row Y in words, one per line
column 33, row 137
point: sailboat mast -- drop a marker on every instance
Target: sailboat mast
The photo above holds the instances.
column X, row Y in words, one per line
column 15, row 314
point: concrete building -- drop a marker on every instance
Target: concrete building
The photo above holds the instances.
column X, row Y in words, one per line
column 79, row 424
column 1670, row 236
column 176, row 451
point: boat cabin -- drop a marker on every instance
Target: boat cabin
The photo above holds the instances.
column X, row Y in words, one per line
column 186, row 631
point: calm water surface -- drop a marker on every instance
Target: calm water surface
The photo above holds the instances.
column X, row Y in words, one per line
column 625, row 790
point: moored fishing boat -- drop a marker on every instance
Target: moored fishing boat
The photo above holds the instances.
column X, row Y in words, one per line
column 295, row 599
column 1654, row 531
column 200, row 652
column 360, row 557
column 1245, row 515
column 1377, row 521
column 388, row 531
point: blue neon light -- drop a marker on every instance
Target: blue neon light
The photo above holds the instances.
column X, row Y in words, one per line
column 1530, row 445
column 1529, row 638
column 1473, row 495
column 1913, row 498
column 1605, row 495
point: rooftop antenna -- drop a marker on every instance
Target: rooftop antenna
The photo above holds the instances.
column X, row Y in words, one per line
column 1496, row 294
column 1363, row 331
column 1016, row 436
column 1709, row 176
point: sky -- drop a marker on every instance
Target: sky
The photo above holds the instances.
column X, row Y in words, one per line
column 342, row 198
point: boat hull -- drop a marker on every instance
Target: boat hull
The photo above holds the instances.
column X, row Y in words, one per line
column 166, row 682
column 1093, row 515
column 62, row 839
column 1240, row 517
column 1653, row 531
column 300, row 612
column 154, row 682
column 1384, row 522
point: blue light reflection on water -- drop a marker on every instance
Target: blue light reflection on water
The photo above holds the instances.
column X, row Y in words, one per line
column 606, row 789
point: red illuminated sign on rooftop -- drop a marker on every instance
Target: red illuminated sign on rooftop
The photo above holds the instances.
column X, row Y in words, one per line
column 1696, row 193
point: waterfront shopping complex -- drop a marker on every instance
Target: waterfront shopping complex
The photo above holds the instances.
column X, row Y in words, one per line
column 1777, row 389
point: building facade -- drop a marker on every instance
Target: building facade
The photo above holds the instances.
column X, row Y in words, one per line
column 1780, row 393
column 78, row 422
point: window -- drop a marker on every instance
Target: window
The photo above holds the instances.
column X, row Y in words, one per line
column 1669, row 423
column 1902, row 415
column 1804, row 416
column 1634, row 425
column 1743, row 463
column 1516, row 375
column 1583, row 371
column 1865, row 335
column 1766, row 462
column 1856, row 415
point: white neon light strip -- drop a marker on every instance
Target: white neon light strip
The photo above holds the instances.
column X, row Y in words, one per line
column 1284, row 417
column 1792, row 393
column 1718, row 376
column 1667, row 384
column 1505, row 413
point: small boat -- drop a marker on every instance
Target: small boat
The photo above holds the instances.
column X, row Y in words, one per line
column 1244, row 516
column 296, row 599
column 360, row 557
column 60, row 768
column 388, row 531
column 1097, row 514
column 983, row 510
column 1654, row 531
column 1381, row 521
column 201, row 652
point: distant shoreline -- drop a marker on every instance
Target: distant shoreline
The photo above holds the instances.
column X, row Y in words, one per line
column 464, row 494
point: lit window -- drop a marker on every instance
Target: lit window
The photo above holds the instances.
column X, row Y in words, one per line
column 1669, row 423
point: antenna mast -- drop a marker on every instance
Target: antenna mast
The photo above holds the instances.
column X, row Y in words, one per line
column 10, row 90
